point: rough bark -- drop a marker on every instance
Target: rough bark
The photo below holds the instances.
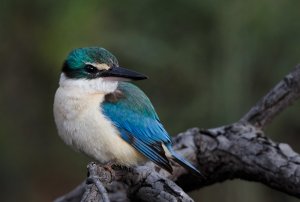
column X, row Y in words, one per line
column 240, row 150
column 280, row 97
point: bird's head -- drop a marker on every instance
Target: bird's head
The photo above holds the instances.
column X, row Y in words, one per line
column 91, row 63
column 92, row 67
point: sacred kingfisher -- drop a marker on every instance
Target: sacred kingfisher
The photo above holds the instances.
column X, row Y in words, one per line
column 100, row 113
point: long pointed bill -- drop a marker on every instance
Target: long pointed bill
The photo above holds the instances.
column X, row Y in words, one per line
column 123, row 73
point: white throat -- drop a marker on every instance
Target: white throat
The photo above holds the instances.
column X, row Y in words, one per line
column 98, row 85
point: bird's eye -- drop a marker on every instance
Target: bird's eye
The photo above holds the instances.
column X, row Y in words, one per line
column 91, row 69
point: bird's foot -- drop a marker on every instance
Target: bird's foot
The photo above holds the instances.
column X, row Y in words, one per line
column 117, row 170
column 110, row 166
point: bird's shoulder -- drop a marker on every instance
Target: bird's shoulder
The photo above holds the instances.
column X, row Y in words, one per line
column 128, row 97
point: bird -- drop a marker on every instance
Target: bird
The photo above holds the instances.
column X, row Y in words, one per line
column 99, row 111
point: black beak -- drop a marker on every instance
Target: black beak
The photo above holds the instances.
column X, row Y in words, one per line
column 123, row 73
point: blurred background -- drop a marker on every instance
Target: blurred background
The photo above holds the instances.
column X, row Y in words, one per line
column 208, row 62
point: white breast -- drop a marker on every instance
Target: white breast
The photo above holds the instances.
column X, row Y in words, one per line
column 81, row 124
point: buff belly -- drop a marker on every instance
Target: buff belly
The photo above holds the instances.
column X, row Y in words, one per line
column 82, row 125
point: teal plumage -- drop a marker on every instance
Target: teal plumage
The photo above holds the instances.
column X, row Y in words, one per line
column 78, row 57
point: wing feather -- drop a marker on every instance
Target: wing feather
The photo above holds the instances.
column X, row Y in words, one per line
column 138, row 123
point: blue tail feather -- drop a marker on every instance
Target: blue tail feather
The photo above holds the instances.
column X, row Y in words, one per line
column 184, row 163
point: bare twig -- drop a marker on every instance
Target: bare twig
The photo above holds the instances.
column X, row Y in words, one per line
column 94, row 178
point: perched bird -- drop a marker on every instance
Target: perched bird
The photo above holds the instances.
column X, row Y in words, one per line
column 98, row 112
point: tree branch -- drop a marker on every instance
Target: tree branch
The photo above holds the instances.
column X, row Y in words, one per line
column 286, row 92
column 240, row 150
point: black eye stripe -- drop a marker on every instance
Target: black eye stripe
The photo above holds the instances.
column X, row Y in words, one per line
column 91, row 69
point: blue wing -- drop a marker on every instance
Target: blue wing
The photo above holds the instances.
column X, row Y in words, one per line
column 133, row 114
